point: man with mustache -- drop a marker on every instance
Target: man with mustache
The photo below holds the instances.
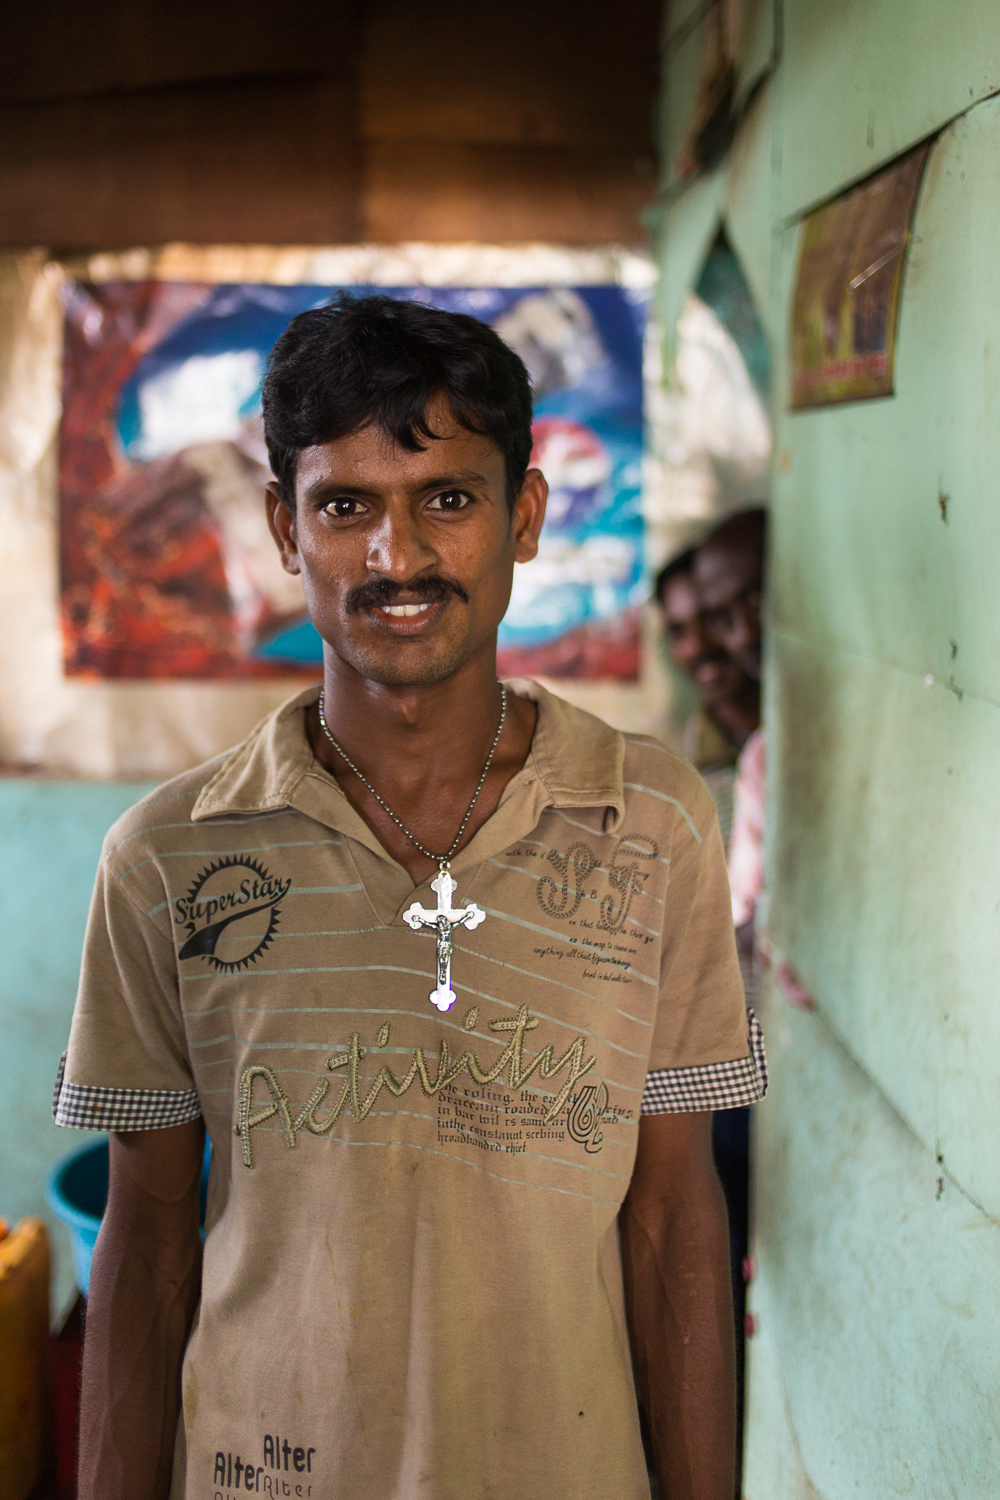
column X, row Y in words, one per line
column 729, row 693
column 728, row 573
column 458, row 1075
column 710, row 597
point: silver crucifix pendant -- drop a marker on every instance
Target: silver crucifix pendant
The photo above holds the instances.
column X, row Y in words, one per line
column 443, row 921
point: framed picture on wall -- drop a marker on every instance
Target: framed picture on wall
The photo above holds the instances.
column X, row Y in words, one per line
column 852, row 254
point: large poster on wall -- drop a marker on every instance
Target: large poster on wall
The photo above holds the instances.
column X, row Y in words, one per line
column 167, row 567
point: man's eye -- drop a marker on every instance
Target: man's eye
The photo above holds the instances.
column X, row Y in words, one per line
column 721, row 618
column 343, row 507
column 449, row 500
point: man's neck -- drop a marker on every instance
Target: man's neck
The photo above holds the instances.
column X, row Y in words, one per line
column 423, row 749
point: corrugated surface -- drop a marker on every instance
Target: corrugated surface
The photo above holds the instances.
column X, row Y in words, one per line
column 885, row 852
column 874, row 1374
column 864, row 79
column 687, row 31
column 878, row 1166
column 911, row 582
column 738, row 194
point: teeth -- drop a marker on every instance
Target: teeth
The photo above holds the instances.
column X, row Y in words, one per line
column 404, row 611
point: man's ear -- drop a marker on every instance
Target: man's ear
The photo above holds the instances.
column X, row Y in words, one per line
column 281, row 520
column 529, row 513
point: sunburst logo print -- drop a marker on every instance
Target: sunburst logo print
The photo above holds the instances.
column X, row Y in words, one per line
column 230, row 913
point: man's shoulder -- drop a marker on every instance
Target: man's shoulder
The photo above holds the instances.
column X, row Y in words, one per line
column 583, row 759
column 661, row 785
column 154, row 823
column 152, row 820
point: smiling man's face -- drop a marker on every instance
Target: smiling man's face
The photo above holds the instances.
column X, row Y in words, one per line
column 716, row 676
column 407, row 559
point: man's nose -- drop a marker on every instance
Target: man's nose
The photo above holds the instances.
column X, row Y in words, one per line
column 399, row 546
column 740, row 631
column 702, row 643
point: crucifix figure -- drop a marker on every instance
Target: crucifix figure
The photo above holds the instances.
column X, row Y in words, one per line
column 446, row 918
column 444, row 921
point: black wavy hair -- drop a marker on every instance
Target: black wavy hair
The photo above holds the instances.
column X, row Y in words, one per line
column 677, row 567
column 361, row 360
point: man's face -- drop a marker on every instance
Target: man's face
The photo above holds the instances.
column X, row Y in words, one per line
column 728, row 582
column 407, row 559
column 715, row 675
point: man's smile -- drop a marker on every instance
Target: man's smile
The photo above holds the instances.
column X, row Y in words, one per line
column 407, row 555
column 410, row 618
column 404, row 611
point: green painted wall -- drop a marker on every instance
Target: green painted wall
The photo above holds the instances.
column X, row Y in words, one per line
column 52, row 834
column 874, row 1370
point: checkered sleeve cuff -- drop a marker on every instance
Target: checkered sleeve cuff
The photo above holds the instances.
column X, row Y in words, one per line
column 723, row 1085
column 81, row 1106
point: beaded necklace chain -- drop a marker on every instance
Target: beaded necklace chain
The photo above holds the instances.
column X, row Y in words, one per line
column 446, row 917
column 442, row 860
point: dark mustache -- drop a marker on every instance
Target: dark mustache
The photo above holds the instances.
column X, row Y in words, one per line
column 430, row 589
column 707, row 656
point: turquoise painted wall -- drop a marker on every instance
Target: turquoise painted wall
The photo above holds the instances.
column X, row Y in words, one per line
column 52, row 834
column 874, row 1369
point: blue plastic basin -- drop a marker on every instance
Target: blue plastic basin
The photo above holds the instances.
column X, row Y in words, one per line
column 77, row 1191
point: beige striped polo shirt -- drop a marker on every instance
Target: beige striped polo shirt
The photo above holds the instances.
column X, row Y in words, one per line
column 412, row 1283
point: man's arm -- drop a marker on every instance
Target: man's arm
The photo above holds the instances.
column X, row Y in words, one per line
column 675, row 1255
column 144, row 1287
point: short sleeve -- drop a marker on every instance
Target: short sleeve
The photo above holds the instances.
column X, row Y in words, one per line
column 126, row 1067
column 707, row 1051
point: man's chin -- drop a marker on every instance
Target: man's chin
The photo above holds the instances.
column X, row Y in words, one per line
column 717, row 689
column 407, row 664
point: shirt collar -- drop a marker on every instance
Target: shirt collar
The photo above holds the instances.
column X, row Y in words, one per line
column 576, row 760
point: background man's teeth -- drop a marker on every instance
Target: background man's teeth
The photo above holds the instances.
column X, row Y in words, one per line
column 404, row 611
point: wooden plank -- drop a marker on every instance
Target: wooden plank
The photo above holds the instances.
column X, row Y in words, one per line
column 268, row 161
column 430, row 191
column 54, row 49
column 519, row 73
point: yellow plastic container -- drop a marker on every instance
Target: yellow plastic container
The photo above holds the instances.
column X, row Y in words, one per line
column 24, row 1341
